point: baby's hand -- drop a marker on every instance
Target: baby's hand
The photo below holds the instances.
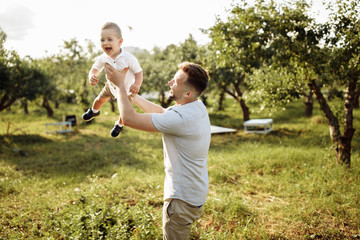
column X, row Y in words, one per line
column 134, row 89
column 93, row 80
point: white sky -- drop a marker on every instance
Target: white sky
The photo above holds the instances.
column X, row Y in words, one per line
column 34, row 27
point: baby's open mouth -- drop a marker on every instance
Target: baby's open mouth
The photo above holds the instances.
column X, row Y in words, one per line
column 108, row 49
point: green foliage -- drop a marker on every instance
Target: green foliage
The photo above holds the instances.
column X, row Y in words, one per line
column 280, row 51
column 160, row 66
column 238, row 46
column 70, row 69
column 263, row 35
column 274, row 88
column 20, row 79
column 344, row 41
column 89, row 217
column 3, row 37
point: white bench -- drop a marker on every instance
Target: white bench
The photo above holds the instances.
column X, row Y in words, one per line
column 262, row 126
column 217, row 129
column 64, row 127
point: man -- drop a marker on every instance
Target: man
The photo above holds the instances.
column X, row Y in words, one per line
column 186, row 140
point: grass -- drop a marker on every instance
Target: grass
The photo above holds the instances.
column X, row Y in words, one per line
column 87, row 185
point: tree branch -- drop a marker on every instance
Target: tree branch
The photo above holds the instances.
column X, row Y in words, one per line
column 333, row 121
column 6, row 102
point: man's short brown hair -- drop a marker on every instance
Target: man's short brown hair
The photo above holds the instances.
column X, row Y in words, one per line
column 196, row 76
column 113, row 26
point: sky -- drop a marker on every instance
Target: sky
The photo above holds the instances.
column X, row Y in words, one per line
column 39, row 27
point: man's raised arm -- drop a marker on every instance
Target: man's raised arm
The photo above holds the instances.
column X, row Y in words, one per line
column 147, row 106
column 130, row 117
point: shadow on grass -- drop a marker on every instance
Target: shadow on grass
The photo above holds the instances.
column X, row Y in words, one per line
column 225, row 120
column 291, row 114
column 74, row 155
column 106, row 123
column 283, row 136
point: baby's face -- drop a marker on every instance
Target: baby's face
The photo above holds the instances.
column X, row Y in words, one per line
column 110, row 42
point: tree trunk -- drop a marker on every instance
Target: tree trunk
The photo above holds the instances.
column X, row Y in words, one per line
column 309, row 104
column 342, row 144
column 84, row 94
column 204, row 99
column 112, row 103
column 167, row 103
column 356, row 98
column 162, row 98
column 24, row 105
column 221, row 101
column 164, row 102
column 345, row 154
column 245, row 109
column 240, row 100
column 47, row 106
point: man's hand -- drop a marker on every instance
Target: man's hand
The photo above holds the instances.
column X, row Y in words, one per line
column 114, row 76
column 93, row 80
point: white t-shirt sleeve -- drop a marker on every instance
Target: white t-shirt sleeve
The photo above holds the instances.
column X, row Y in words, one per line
column 99, row 63
column 134, row 65
column 170, row 122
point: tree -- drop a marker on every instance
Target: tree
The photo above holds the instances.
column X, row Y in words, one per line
column 72, row 66
column 344, row 43
column 48, row 91
column 266, row 34
column 24, row 81
column 20, row 79
column 239, row 46
column 300, row 50
column 158, row 68
column 6, row 100
column 332, row 62
column 161, row 65
column 297, row 55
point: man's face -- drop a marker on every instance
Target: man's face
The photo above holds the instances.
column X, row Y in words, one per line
column 177, row 88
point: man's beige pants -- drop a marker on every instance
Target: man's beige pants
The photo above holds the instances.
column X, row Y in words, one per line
column 177, row 219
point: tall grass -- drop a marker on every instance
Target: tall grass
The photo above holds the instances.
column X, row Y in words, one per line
column 88, row 185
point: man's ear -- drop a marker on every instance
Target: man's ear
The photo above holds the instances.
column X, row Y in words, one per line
column 189, row 94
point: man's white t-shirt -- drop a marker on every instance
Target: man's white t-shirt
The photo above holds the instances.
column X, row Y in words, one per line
column 123, row 60
column 186, row 138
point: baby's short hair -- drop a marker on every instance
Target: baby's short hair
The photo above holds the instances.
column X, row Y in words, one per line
column 113, row 26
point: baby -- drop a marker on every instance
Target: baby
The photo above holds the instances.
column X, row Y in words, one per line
column 111, row 41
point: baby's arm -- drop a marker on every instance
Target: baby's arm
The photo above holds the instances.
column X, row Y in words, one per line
column 93, row 77
column 138, row 81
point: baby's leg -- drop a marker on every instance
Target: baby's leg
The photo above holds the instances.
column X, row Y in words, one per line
column 94, row 111
column 99, row 102
column 120, row 121
column 118, row 126
column 102, row 98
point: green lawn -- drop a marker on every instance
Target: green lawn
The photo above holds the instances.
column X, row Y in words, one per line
column 88, row 185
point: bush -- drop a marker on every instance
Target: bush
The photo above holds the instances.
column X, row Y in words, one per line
column 319, row 120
